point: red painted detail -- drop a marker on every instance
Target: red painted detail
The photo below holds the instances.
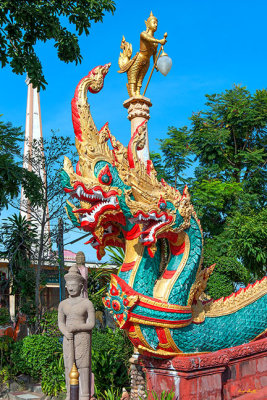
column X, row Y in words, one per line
column 119, row 317
column 164, row 321
column 163, row 182
column 125, row 302
column 91, row 191
column 74, row 107
column 161, row 335
column 78, row 172
column 168, row 274
column 241, row 290
column 107, row 303
column 150, row 252
column 105, row 171
column 130, row 291
column 176, row 250
column 133, row 233
column 68, row 190
column 148, row 167
column 116, row 305
column 127, row 266
column 163, row 308
column 131, row 328
column 107, row 129
column 130, row 146
column 114, row 291
column 162, row 201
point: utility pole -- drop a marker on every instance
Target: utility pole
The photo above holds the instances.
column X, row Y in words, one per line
column 60, row 244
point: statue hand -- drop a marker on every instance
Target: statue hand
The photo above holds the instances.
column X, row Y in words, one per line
column 68, row 335
column 162, row 41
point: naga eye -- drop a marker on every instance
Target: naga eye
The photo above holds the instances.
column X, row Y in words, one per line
column 163, row 206
column 105, row 176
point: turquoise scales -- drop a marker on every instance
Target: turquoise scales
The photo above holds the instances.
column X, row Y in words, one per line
column 156, row 296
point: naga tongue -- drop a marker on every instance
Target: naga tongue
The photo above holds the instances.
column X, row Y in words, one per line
column 152, row 250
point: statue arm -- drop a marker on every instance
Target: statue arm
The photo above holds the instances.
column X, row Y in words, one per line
column 62, row 323
column 90, row 320
column 152, row 39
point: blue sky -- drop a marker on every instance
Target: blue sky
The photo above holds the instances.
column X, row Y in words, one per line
column 213, row 45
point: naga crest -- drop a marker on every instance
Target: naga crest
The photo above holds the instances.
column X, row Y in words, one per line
column 157, row 296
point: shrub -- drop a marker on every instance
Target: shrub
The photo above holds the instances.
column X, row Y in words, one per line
column 49, row 324
column 110, row 358
column 40, row 356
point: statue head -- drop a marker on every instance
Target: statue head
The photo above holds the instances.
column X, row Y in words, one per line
column 80, row 258
column 74, row 281
column 151, row 23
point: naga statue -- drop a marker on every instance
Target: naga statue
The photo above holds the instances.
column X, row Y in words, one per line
column 157, row 295
column 137, row 67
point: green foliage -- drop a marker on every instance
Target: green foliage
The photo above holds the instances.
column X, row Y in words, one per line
column 165, row 395
column 175, row 149
column 110, row 354
column 23, row 24
column 12, row 175
column 228, row 141
column 248, row 239
column 109, row 394
column 49, row 324
column 116, row 255
column 97, row 286
column 4, row 316
column 18, row 238
column 53, row 377
column 228, row 272
column 35, row 354
column 5, row 350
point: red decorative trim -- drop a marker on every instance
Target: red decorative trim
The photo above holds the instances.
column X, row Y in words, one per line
column 241, row 290
column 198, row 362
column 130, row 146
column 127, row 266
column 176, row 250
column 78, row 171
column 168, row 274
column 133, row 233
column 148, row 167
column 163, row 309
column 165, row 321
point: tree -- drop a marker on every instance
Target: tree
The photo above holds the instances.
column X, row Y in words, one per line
column 24, row 23
column 18, row 238
column 228, row 141
column 12, row 175
column 46, row 160
column 175, row 150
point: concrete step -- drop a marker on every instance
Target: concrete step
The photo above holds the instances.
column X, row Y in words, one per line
column 26, row 395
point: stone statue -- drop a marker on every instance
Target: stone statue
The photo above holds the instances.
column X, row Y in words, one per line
column 80, row 262
column 137, row 67
column 76, row 319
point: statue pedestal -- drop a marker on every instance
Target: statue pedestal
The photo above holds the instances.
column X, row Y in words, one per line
column 235, row 373
column 138, row 112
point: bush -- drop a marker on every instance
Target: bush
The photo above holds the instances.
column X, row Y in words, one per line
column 40, row 356
column 110, row 358
column 49, row 324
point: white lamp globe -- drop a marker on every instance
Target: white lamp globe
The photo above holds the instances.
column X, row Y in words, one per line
column 164, row 64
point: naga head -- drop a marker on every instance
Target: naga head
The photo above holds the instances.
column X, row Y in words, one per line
column 119, row 195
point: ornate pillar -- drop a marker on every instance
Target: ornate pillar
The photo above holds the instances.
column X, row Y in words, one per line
column 138, row 111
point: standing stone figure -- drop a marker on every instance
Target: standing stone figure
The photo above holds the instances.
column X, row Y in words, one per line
column 76, row 319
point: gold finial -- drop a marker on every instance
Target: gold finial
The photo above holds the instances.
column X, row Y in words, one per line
column 74, row 375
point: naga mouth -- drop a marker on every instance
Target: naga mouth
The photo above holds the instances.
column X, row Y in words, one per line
column 99, row 202
column 151, row 224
